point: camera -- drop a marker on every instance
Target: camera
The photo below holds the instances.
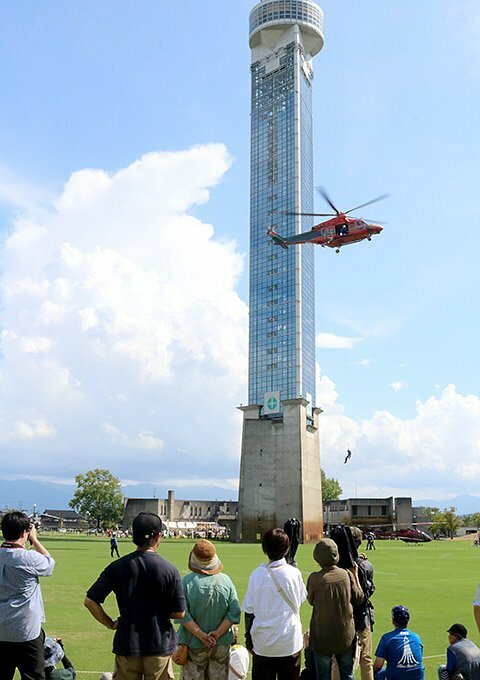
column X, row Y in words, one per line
column 347, row 550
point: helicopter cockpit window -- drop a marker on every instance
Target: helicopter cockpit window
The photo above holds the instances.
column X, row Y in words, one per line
column 341, row 229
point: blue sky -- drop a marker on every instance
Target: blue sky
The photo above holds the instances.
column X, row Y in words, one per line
column 110, row 279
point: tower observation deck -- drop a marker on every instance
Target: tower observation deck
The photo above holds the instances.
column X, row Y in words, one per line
column 280, row 462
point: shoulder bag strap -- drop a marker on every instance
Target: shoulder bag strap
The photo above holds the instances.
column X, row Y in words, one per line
column 204, row 610
column 280, row 590
column 198, row 618
column 236, row 673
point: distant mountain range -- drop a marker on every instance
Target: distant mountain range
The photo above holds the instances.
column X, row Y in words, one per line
column 24, row 493
column 464, row 503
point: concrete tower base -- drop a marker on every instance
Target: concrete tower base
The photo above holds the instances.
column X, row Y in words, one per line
column 280, row 472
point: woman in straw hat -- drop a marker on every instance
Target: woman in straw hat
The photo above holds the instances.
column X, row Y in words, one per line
column 212, row 609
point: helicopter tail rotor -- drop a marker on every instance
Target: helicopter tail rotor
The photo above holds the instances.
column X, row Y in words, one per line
column 277, row 239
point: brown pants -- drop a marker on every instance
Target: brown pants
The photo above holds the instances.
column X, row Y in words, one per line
column 143, row 668
column 366, row 658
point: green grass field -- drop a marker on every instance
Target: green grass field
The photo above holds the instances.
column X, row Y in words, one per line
column 437, row 581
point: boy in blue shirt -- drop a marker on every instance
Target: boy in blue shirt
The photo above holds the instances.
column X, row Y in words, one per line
column 401, row 649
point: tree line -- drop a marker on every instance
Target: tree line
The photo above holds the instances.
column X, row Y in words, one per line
column 99, row 496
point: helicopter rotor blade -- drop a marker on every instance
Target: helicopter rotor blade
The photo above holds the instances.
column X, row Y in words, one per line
column 374, row 200
column 327, row 198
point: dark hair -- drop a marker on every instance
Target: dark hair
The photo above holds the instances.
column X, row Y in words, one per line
column 14, row 524
column 275, row 544
column 145, row 526
column 458, row 629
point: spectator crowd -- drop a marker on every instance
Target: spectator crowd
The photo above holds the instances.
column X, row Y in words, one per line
column 151, row 597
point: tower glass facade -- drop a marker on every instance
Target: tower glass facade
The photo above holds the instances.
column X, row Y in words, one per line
column 282, row 305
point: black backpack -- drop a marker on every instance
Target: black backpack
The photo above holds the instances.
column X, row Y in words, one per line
column 365, row 612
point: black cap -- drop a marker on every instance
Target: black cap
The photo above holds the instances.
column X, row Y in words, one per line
column 144, row 527
column 458, row 629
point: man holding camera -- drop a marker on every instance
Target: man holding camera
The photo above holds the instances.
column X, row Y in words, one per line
column 363, row 613
column 21, row 604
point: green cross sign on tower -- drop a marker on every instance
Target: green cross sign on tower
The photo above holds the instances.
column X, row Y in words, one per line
column 272, row 404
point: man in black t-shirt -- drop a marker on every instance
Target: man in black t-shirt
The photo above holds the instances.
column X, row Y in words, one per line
column 149, row 593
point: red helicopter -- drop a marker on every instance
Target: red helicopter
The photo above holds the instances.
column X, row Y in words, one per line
column 407, row 535
column 413, row 536
column 335, row 233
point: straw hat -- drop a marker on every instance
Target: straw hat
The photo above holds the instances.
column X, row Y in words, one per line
column 204, row 559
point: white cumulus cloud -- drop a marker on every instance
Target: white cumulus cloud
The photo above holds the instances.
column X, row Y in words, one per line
column 432, row 454
column 34, row 430
column 143, row 440
column 123, row 335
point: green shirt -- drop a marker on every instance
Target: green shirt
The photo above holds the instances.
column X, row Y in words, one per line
column 223, row 605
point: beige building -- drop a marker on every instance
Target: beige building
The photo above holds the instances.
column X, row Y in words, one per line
column 171, row 509
column 369, row 512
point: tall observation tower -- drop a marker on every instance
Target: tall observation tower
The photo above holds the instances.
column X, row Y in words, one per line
column 280, row 464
